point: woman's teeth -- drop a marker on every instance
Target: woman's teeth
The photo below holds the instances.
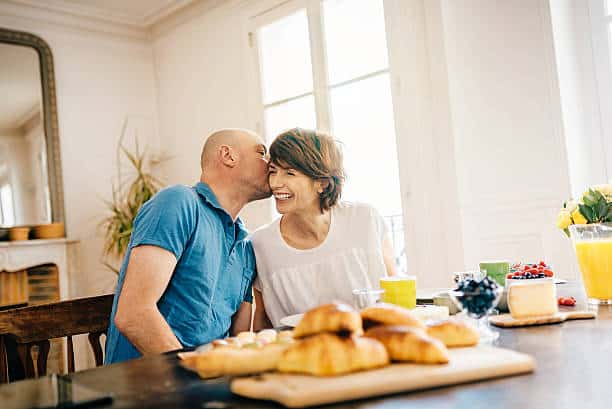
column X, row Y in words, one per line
column 282, row 196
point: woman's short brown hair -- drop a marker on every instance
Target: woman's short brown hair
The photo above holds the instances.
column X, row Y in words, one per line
column 315, row 154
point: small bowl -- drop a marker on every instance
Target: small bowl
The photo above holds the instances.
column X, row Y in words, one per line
column 49, row 231
column 18, row 233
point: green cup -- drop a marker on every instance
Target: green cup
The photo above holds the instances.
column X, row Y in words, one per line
column 497, row 270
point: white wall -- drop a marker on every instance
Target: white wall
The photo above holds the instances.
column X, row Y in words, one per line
column 511, row 159
column 201, row 73
column 100, row 81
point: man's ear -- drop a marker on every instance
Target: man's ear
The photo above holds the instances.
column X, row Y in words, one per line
column 228, row 156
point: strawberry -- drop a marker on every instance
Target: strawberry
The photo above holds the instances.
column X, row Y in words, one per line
column 548, row 273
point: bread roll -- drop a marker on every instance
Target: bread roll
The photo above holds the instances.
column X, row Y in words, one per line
column 329, row 354
column 409, row 344
column 389, row 314
column 454, row 333
column 232, row 361
column 334, row 318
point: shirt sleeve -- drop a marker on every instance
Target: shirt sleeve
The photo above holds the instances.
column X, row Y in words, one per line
column 167, row 220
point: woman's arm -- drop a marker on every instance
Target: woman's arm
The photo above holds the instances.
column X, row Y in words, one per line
column 241, row 321
column 389, row 259
column 260, row 320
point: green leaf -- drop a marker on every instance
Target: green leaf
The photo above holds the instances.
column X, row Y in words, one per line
column 587, row 212
column 601, row 210
column 608, row 218
column 589, row 198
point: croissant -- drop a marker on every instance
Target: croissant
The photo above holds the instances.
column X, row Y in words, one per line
column 409, row 344
column 389, row 314
column 454, row 333
column 329, row 354
column 334, row 318
column 233, row 361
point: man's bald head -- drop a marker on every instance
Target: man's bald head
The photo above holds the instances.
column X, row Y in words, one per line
column 233, row 137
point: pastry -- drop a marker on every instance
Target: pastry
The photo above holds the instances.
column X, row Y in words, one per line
column 329, row 354
column 233, row 361
column 409, row 344
column 389, row 314
column 335, row 318
column 454, row 333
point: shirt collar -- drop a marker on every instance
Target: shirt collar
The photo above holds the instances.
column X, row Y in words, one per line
column 209, row 196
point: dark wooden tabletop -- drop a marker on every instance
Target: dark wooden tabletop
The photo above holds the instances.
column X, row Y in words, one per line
column 574, row 360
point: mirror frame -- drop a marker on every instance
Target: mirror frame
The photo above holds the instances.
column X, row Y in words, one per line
column 54, row 165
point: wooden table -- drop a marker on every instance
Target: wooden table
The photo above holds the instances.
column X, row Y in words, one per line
column 573, row 358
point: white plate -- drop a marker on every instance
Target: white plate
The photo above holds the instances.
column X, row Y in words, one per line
column 291, row 320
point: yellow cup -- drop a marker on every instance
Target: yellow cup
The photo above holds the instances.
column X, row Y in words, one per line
column 399, row 290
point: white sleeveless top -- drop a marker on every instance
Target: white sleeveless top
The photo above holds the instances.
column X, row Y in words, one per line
column 293, row 281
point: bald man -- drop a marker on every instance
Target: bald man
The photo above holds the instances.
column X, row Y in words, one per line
column 186, row 278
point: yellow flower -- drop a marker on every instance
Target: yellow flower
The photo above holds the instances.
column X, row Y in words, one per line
column 605, row 190
column 578, row 217
column 564, row 219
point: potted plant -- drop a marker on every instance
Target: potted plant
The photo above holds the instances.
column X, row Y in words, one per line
column 128, row 197
column 589, row 223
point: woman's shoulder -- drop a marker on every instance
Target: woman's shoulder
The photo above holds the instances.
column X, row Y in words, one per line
column 265, row 232
column 354, row 209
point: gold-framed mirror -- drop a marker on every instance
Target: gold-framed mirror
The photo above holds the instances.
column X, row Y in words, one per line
column 31, row 187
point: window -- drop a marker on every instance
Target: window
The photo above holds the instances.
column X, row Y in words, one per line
column 324, row 64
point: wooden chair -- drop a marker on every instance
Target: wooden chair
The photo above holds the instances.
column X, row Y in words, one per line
column 36, row 325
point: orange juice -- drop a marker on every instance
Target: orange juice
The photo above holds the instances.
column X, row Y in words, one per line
column 399, row 290
column 595, row 260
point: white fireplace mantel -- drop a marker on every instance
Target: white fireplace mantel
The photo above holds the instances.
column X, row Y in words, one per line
column 19, row 255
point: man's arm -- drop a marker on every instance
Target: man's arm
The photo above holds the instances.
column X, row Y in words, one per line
column 260, row 320
column 241, row 321
column 138, row 318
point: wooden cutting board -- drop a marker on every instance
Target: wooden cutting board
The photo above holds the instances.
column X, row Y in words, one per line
column 466, row 365
column 506, row 320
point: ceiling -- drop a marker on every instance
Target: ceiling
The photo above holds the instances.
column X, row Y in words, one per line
column 20, row 85
column 139, row 13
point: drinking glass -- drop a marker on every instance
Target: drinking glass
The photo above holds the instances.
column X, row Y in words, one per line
column 366, row 297
column 477, row 304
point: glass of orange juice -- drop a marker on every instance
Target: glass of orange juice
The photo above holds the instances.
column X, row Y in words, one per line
column 399, row 290
column 593, row 244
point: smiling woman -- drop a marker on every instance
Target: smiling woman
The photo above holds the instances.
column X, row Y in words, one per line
column 320, row 249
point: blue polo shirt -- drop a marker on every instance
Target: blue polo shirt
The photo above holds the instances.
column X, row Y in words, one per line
column 214, row 271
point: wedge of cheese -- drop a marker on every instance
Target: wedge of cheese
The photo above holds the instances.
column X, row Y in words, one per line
column 532, row 298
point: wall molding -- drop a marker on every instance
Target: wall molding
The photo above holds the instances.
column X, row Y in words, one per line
column 98, row 20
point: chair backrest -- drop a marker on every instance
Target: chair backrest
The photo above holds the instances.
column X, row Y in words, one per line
column 36, row 325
